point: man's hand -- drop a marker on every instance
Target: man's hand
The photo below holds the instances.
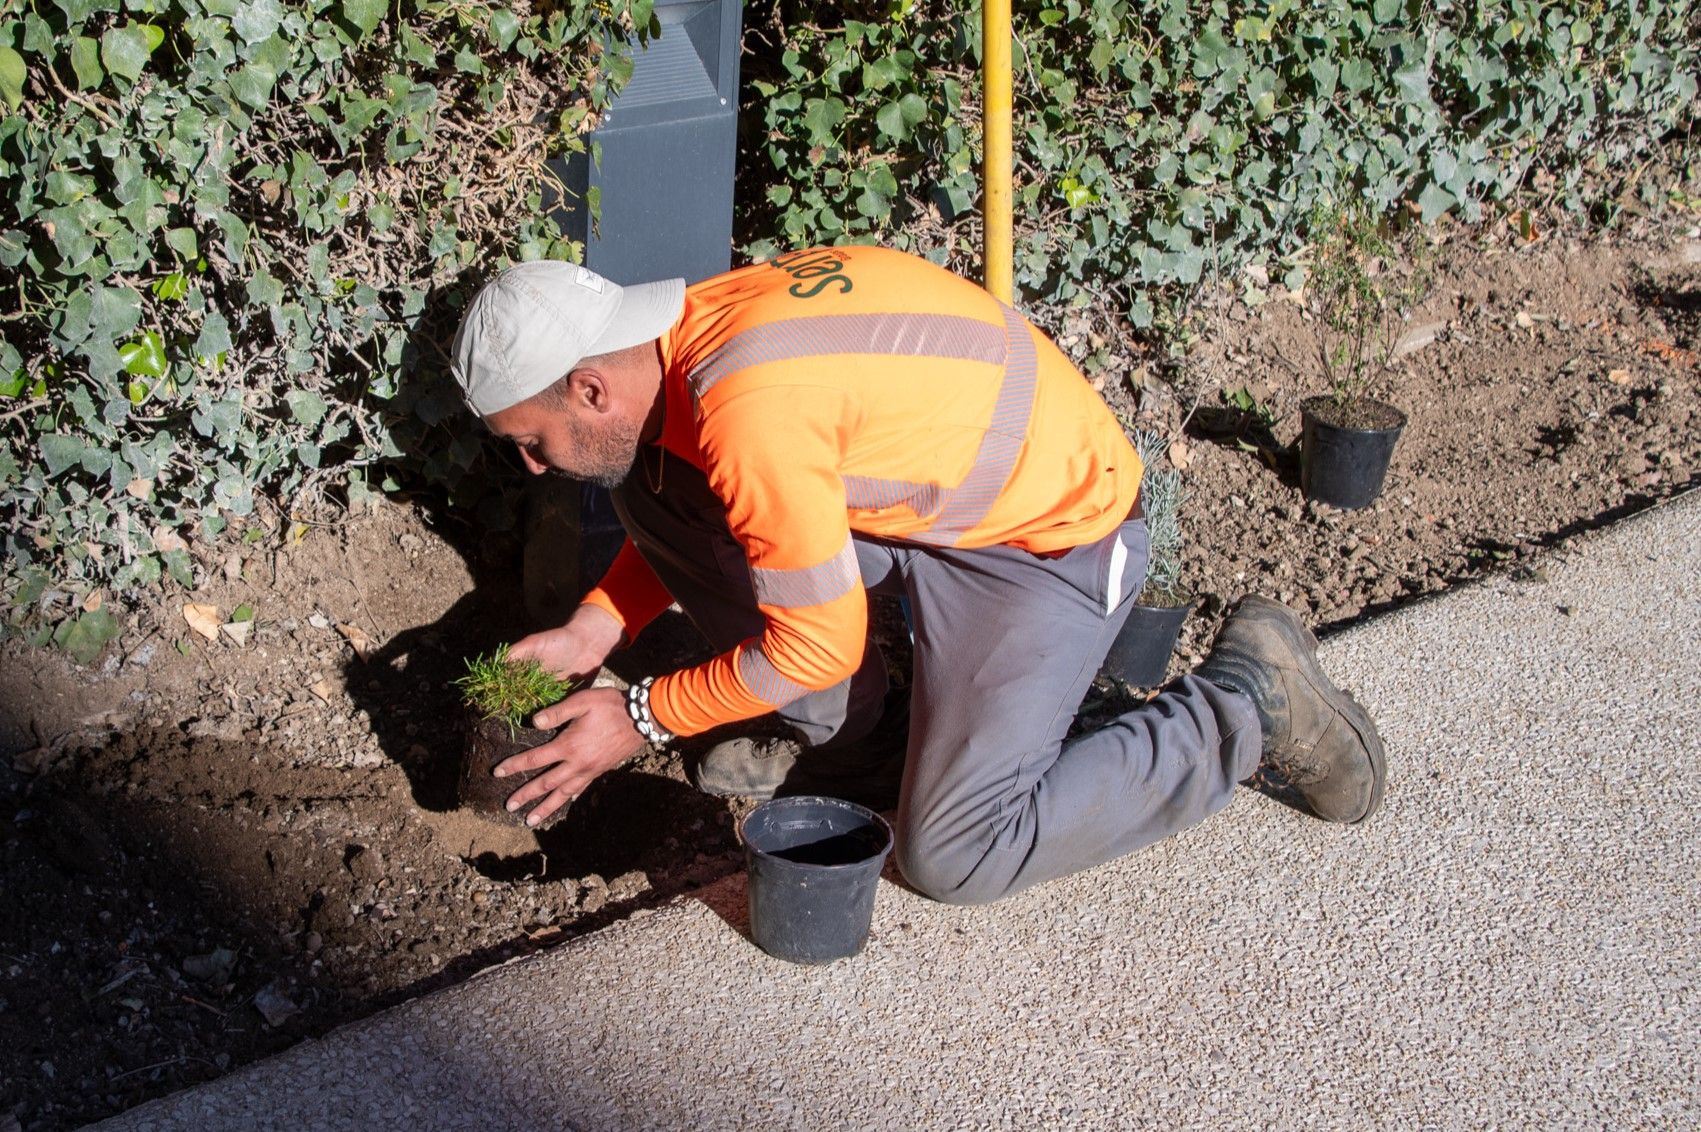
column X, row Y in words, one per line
column 577, row 649
column 597, row 735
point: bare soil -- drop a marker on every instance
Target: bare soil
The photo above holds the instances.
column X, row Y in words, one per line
column 215, row 848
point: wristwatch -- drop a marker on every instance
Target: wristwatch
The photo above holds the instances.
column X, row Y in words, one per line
column 638, row 707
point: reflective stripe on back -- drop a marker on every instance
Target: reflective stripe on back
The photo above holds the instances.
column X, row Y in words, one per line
column 909, row 335
column 950, row 512
column 870, row 494
column 970, row 502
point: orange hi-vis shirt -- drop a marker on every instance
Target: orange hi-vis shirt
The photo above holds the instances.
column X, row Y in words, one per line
column 862, row 389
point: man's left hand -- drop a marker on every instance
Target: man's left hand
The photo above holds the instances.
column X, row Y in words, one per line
column 597, row 735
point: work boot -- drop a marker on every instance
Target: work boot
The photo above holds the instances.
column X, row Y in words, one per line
column 867, row 771
column 1316, row 737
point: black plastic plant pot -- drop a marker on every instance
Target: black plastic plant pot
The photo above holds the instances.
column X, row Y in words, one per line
column 1344, row 454
column 488, row 742
column 814, row 866
column 1140, row 654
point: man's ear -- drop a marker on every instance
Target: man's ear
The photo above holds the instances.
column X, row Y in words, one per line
column 587, row 388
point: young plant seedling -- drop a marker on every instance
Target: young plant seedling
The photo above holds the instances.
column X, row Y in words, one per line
column 511, row 691
column 1365, row 280
column 1160, row 494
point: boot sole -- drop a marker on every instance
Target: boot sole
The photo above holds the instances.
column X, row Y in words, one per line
column 1303, row 644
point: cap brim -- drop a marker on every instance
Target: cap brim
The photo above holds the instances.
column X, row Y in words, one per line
column 647, row 311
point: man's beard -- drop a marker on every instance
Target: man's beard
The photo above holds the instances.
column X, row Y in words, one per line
column 604, row 458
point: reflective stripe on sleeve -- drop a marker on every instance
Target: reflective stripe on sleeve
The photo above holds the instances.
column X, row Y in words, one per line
column 810, row 585
column 764, row 680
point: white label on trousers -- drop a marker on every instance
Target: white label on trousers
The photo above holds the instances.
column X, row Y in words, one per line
column 1113, row 591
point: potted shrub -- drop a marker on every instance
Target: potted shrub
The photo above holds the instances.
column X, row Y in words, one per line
column 499, row 696
column 1364, row 280
column 1141, row 652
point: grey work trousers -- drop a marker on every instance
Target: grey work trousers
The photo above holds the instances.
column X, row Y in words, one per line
column 1006, row 645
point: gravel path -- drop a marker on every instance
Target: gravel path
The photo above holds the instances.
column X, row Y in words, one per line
column 1512, row 942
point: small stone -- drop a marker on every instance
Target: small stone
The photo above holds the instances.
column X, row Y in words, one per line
column 627, row 885
column 275, row 1006
column 312, row 943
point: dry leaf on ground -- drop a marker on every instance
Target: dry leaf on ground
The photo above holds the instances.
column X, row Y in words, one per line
column 1667, row 352
column 357, row 639
column 1180, row 456
column 1619, row 376
column 238, row 631
column 204, row 619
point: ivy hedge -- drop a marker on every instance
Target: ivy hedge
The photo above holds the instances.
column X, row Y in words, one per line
column 1157, row 142
column 235, row 235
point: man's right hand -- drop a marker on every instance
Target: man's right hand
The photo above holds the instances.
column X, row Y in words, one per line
column 577, row 649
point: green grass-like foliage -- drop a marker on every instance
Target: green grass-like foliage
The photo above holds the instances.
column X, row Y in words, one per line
column 1160, row 499
column 499, row 688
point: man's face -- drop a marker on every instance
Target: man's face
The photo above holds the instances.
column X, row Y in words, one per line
column 572, row 441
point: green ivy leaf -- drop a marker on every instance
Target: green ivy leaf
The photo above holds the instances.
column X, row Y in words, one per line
column 144, row 356
column 173, row 288
column 264, row 289
column 125, row 50
column 13, row 75
column 1434, row 201
column 308, row 408
column 822, row 116
column 59, row 451
column 504, row 28
column 85, row 637
column 85, row 62
column 365, row 15
column 252, row 85
column 214, row 338
column 890, row 119
column 177, row 565
column 256, row 20
column 115, row 311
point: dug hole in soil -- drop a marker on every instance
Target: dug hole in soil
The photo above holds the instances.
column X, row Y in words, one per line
column 215, row 848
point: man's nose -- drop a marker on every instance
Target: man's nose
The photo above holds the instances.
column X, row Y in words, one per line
column 533, row 465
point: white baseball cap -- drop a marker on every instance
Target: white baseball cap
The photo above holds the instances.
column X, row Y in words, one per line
column 529, row 326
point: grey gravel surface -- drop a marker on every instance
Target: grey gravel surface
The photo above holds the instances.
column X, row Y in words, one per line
column 1511, row 943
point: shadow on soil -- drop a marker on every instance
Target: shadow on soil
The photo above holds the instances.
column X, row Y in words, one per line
column 1237, row 429
column 1497, row 558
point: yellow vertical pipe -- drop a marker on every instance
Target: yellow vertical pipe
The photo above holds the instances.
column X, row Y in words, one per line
column 996, row 170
